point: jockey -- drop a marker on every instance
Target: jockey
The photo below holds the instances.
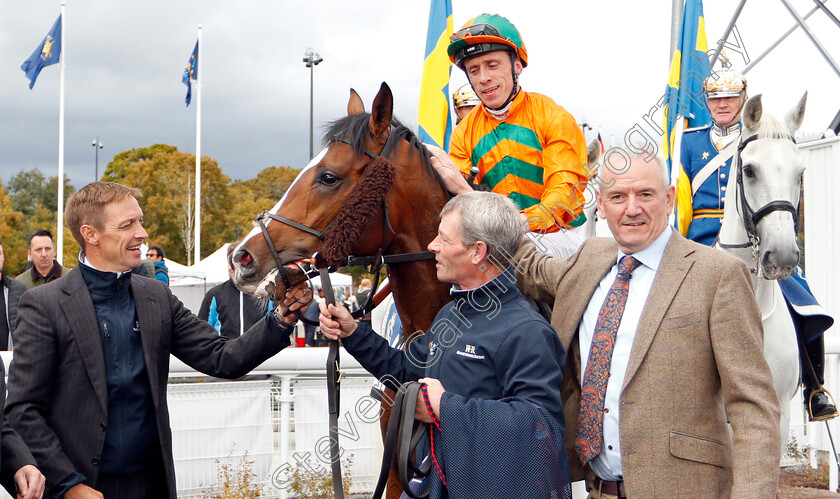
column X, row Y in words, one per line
column 523, row 144
column 705, row 159
column 464, row 100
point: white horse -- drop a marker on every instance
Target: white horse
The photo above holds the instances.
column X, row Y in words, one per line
column 759, row 227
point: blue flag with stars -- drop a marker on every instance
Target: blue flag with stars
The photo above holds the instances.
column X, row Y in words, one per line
column 191, row 72
column 47, row 53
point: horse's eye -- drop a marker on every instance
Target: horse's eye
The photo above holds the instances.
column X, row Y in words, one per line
column 748, row 171
column 328, row 179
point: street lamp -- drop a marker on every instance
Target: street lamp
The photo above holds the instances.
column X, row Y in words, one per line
column 97, row 145
column 311, row 59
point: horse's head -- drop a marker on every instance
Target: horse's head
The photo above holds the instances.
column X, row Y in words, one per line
column 769, row 180
column 335, row 205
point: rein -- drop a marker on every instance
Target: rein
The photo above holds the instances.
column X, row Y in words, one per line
column 751, row 217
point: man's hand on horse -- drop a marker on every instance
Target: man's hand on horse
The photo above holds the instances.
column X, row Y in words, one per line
column 435, row 390
column 298, row 297
column 336, row 321
column 452, row 178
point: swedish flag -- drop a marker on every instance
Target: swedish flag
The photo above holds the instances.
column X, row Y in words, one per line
column 47, row 53
column 435, row 124
column 191, row 72
column 689, row 67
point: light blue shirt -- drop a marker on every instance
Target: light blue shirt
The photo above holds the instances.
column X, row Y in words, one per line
column 607, row 465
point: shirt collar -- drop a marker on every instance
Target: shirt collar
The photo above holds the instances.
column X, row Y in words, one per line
column 652, row 255
column 83, row 259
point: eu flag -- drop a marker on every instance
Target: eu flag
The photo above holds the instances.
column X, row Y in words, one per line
column 191, row 72
column 689, row 68
column 47, row 53
column 433, row 119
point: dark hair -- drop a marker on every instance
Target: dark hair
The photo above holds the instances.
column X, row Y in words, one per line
column 159, row 250
column 40, row 232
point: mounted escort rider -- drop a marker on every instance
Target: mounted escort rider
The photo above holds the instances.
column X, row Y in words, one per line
column 464, row 100
column 518, row 144
column 705, row 160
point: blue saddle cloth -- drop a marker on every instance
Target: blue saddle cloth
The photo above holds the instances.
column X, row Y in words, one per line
column 809, row 318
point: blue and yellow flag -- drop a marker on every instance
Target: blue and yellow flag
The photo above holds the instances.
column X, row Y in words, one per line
column 689, row 68
column 433, row 118
column 47, row 53
column 191, row 72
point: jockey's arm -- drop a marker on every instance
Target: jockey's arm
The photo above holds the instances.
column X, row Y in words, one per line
column 564, row 176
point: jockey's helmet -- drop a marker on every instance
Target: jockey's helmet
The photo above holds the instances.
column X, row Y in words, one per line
column 725, row 83
column 465, row 96
column 486, row 33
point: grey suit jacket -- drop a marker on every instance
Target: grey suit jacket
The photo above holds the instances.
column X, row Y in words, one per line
column 697, row 357
column 15, row 291
column 14, row 454
column 58, row 397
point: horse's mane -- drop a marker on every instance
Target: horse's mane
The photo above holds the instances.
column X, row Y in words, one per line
column 769, row 126
column 354, row 128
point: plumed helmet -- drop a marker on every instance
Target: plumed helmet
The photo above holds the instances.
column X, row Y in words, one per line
column 725, row 83
column 486, row 33
column 465, row 96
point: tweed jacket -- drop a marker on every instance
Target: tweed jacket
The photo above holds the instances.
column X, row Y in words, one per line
column 697, row 358
column 58, row 395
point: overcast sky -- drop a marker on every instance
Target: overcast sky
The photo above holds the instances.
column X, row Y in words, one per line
column 605, row 61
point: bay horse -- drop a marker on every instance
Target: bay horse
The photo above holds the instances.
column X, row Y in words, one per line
column 759, row 227
column 370, row 191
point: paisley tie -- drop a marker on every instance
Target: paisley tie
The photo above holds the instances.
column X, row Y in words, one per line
column 590, row 430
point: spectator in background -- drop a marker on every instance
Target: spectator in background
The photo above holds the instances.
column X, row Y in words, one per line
column 11, row 290
column 362, row 296
column 229, row 310
column 156, row 255
column 42, row 254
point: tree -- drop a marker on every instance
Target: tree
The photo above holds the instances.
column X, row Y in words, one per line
column 10, row 235
column 29, row 189
column 167, row 179
column 254, row 196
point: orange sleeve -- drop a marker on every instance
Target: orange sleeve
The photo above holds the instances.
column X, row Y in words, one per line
column 564, row 178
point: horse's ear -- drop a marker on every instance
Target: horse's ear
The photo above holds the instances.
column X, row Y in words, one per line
column 593, row 152
column 752, row 112
column 383, row 108
column 794, row 117
column 355, row 106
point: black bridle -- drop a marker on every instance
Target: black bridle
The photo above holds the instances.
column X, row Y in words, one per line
column 748, row 215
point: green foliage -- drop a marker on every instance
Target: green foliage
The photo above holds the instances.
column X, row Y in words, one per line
column 166, row 178
column 235, row 480
column 315, row 482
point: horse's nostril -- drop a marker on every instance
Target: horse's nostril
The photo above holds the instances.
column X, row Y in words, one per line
column 245, row 259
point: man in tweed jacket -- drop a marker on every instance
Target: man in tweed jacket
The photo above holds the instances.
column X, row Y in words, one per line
column 688, row 353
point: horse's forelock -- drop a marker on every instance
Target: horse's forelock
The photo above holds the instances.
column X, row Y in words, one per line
column 354, row 129
column 770, row 126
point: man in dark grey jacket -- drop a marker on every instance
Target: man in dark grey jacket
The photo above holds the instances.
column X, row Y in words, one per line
column 12, row 290
column 89, row 376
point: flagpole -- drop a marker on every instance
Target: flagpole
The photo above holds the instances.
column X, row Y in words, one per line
column 198, row 155
column 60, row 221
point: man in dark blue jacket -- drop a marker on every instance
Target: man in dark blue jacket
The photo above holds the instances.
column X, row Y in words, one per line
column 492, row 365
